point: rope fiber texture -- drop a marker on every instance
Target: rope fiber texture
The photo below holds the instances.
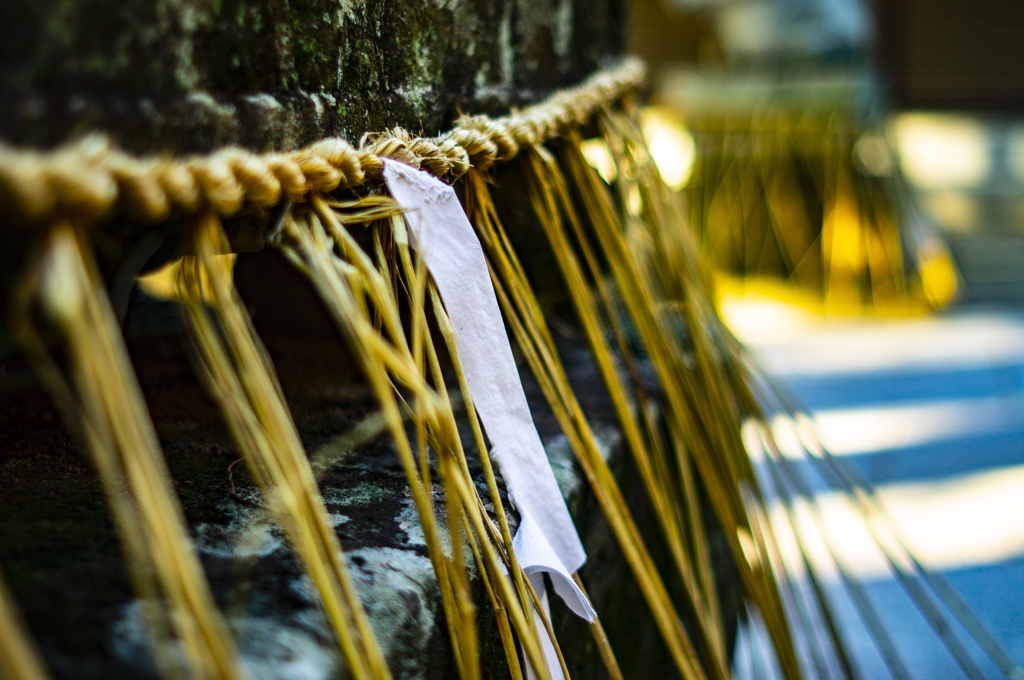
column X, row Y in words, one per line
column 91, row 180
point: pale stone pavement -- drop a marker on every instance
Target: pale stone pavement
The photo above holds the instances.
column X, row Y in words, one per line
column 931, row 412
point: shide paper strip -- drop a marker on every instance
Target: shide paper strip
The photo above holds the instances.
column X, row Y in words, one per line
column 546, row 540
column 550, row 655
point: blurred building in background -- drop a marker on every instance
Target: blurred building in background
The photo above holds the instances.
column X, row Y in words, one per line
column 843, row 147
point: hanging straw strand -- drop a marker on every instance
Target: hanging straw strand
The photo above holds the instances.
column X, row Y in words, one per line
column 394, row 355
column 106, row 404
column 242, row 379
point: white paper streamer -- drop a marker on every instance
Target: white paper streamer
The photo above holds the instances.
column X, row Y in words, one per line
column 550, row 655
column 546, row 540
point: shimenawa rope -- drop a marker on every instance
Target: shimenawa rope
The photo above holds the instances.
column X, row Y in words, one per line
column 93, row 180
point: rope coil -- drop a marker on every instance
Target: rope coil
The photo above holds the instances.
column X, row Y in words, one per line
column 91, row 180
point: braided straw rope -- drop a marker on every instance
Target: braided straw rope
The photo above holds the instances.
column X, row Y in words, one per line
column 91, row 180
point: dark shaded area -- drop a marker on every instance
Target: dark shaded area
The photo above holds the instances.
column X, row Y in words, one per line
column 952, row 54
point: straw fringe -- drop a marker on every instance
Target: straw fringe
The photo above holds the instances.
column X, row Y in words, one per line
column 239, row 374
column 104, row 400
column 350, row 285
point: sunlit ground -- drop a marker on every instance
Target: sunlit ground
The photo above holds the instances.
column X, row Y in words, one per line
column 931, row 411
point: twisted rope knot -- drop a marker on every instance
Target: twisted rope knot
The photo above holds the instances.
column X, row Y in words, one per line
column 138, row 187
column 290, row 176
column 373, row 166
column 66, row 181
column 217, row 183
column 390, row 144
column 343, row 158
column 480, row 148
column 78, row 183
column 495, row 131
column 431, row 158
column 459, row 158
column 526, row 129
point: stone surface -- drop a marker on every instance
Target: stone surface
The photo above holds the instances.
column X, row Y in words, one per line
column 191, row 75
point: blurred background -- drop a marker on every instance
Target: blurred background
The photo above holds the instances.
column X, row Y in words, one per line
column 855, row 171
column 833, row 125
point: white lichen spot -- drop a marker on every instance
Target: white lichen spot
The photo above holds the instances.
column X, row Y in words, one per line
column 271, row 650
column 563, row 460
column 363, row 494
column 303, row 588
column 561, row 457
column 351, row 8
column 488, row 91
column 425, row 78
column 318, row 106
column 337, row 519
column 249, row 534
column 562, row 30
column 263, row 101
column 409, row 522
column 505, row 55
column 188, row 19
column 397, row 588
column 205, row 102
column 415, row 95
column 129, row 642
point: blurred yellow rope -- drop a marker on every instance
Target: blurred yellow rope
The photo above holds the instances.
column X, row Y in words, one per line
column 700, row 404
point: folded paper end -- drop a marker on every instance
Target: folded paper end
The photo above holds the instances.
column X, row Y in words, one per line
column 536, row 556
